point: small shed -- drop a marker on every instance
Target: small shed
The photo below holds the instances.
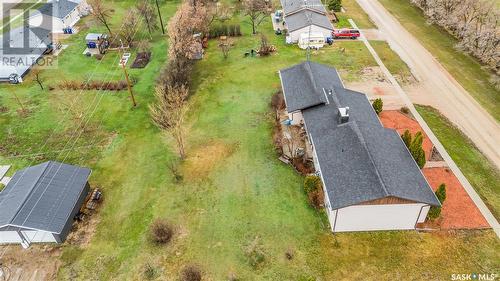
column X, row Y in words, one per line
column 93, row 40
column 40, row 202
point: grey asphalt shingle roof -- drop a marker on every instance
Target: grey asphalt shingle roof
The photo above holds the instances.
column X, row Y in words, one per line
column 291, row 6
column 360, row 160
column 58, row 8
column 297, row 82
column 21, row 56
column 305, row 18
column 43, row 196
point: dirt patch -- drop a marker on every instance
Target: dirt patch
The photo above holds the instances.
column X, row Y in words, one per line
column 374, row 85
column 459, row 211
column 39, row 262
column 201, row 161
column 400, row 122
column 82, row 232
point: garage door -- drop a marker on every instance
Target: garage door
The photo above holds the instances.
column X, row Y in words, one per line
column 9, row 237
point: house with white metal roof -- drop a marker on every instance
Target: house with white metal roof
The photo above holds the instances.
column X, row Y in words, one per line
column 370, row 180
column 39, row 203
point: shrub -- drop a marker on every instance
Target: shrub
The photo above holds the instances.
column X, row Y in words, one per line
column 312, row 186
column 378, row 104
column 406, row 137
column 278, row 101
column 414, row 145
column 405, row 110
column 255, row 254
column 417, row 151
column 434, row 211
column 224, row 30
column 161, row 231
column 311, row 183
column 191, row 273
column 265, row 49
column 149, row 272
column 334, row 5
column 2, row 186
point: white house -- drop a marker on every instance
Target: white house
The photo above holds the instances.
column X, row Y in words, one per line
column 370, row 179
column 39, row 203
column 304, row 17
column 58, row 15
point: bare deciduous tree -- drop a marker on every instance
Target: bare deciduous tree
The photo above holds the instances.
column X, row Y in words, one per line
column 129, row 27
column 37, row 78
column 225, row 46
column 147, row 11
column 475, row 23
column 169, row 113
column 257, row 11
column 100, row 12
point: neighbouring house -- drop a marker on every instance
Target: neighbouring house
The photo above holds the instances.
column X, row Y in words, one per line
column 26, row 48
column 40, row 202
column 59, row 16
column 305, row 16
column 370, row 180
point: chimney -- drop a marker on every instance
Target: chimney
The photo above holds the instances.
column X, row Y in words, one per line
column 343, row 114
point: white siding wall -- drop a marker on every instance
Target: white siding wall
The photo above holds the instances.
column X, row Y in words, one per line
column 38, row 236
column 378, row 217
column 423, row 214
column 294, row 35
column 9, row 237
column 71, row 19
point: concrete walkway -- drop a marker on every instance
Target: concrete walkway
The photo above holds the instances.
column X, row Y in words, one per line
column 463, row 180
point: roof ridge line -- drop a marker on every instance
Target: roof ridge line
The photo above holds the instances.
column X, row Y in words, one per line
column 31, row 190
column 363, row 142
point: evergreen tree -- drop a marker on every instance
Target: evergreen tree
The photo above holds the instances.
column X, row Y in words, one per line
column 416, row 149
column 434, row 211
column 335, row 5
column 378, row 104
column 406, row 137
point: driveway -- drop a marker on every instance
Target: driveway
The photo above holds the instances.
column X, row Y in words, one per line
column 436, row 86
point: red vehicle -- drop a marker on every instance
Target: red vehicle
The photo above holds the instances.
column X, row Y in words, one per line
column 345, row 33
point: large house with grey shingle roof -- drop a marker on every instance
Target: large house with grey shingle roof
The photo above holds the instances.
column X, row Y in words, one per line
column 304, row 16
column 370, row 179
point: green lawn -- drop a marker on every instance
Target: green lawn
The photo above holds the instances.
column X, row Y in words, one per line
column 355, row 12
column 234, row 189
column 392, row 61
column 480, row 172
column 464, row 68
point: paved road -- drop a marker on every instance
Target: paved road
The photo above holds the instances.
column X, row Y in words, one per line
column 437, row 87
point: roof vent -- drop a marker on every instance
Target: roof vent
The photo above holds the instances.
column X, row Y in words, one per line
column 343, row 114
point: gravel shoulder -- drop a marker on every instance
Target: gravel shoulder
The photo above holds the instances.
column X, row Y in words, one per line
column 436, row 86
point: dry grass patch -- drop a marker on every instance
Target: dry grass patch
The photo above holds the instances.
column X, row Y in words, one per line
column 201, row 161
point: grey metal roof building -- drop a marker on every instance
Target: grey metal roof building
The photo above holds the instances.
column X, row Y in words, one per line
column 293, row 6
column 359, row 159
column 58, row 8
column 304, row 18
column 21, row 54
column 43, row 198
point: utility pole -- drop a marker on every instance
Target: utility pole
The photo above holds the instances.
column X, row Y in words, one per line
column 128, row 85
column 126, row 77
column 159, row 15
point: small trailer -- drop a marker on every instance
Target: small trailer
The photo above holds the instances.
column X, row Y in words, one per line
column 314, row 40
